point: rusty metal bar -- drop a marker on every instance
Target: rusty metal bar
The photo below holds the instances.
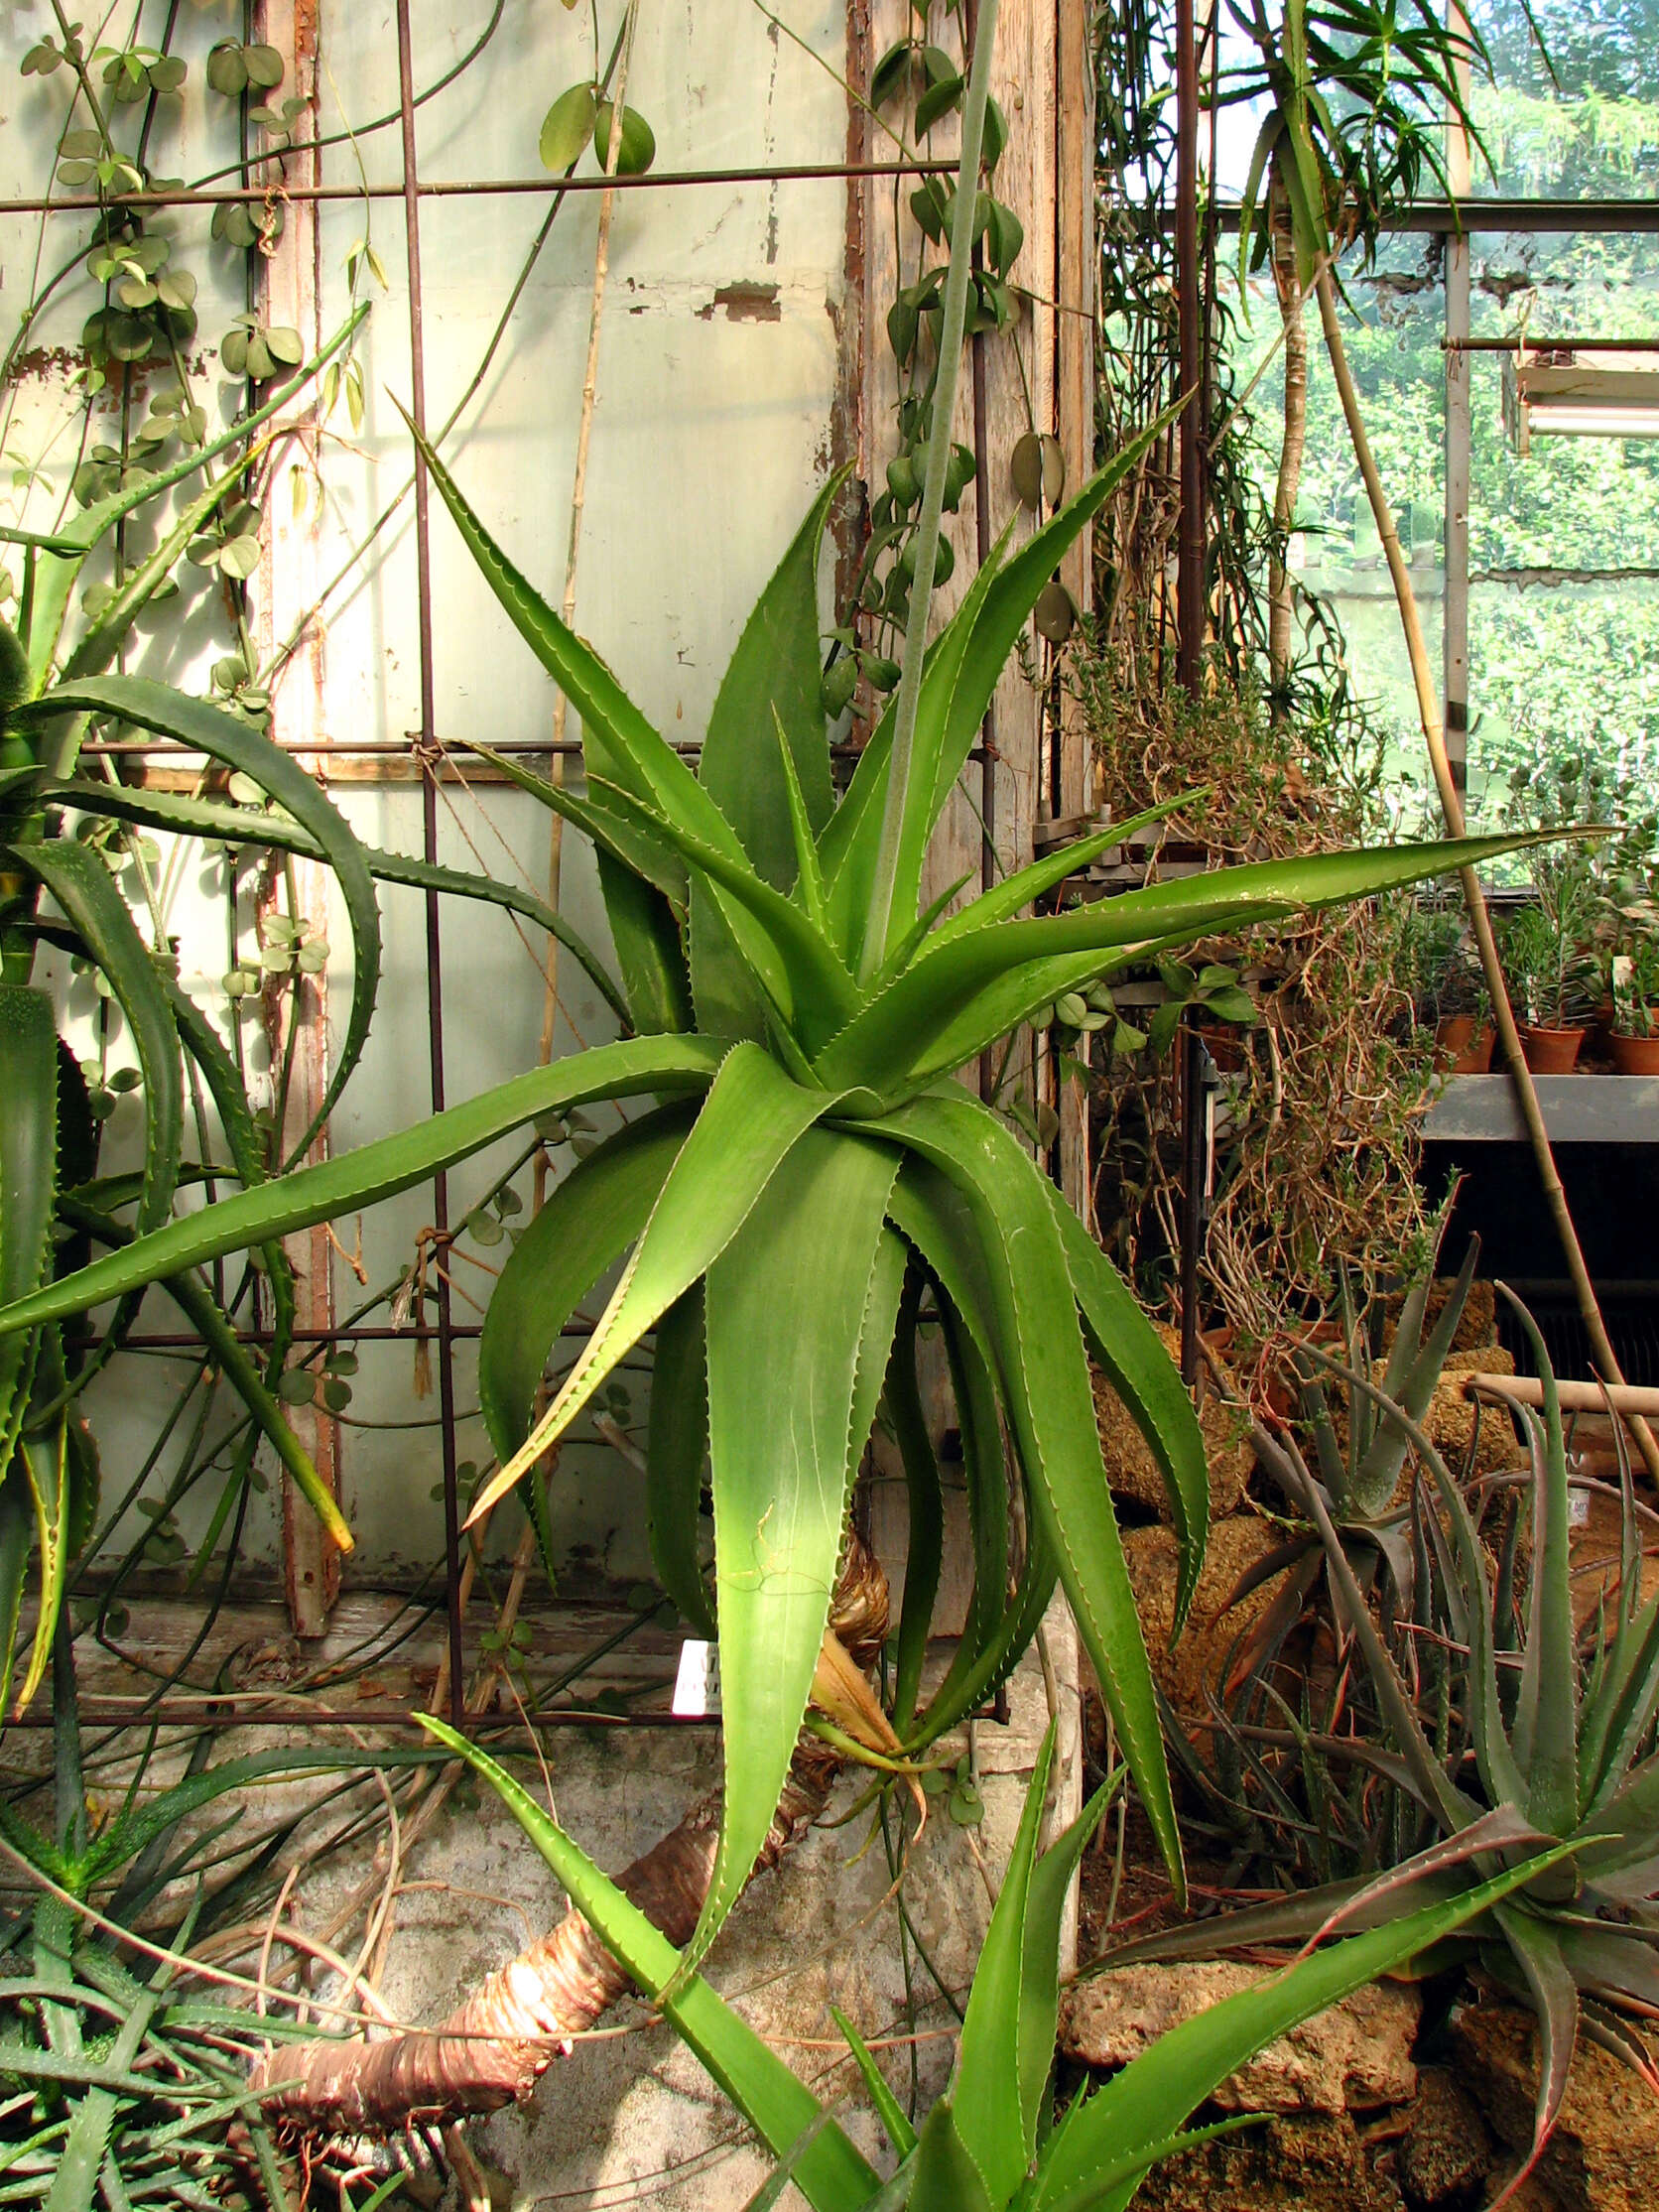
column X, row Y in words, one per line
column 510, row 187
column 429, row 826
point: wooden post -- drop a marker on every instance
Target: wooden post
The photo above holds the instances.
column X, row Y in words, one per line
column 290, row 577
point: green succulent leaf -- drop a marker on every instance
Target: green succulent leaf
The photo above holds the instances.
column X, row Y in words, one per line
column 588, row 1221
column 632, row 1069
column 832, row 2175
column 753, row 1115
column 788, row 1299
column 228, row 738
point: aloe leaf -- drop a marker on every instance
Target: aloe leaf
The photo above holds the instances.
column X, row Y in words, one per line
column 55, row 574
column 897, row 1035
column 1033, row 1318
column 787, row 1301
column 232, row 1356
column 832, row 2176
column 1545, row 1735
column 649, row 950
column 972, row 653
column 946, row 2178
column 751, row 1117
column 775, row 671
column 791, row 959
column 224, row 737
column 987, row 2090
column 350, row 1180
column 636, row 839
column 224, row 1085
column 1039, row 1991
column 619, row 742
column 923, row 1550
column 1149, row 2099
column 1453, row 1808
column 1410, row 1379
column 237, row 825
column 792, row 963
column 900, row 2134
column 1127, row 1346
column 44, row 1461
column 80, row 883
column 936, row 1223
column 1104, row 2186
column 1014, row 893
column 676, row 1453
column 588, row 1221
column 1554, row 1996
column 115, row 618
column 28, row 1179
column 17, row 1536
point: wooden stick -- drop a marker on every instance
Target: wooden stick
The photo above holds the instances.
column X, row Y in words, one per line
column 1626, row 1398
column 1481, row 922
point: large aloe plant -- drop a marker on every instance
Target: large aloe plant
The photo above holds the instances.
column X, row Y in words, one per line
column 987, row 2144
column 798, row 1019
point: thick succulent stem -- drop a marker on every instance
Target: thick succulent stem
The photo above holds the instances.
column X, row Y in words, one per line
column 496, row 2046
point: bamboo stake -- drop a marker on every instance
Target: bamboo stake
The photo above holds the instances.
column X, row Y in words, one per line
column 1451, row 806
column 579, row 500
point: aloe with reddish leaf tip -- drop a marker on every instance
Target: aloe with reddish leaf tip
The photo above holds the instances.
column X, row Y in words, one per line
column 789, row 994
column 1534, row 1721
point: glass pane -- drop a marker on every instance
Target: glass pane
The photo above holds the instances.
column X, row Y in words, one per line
column 1590, row 131
column 1564, row 610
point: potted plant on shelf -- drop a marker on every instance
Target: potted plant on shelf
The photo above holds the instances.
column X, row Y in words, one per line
column 1634, row 975
column 1632, row 927
column 1554, row 982
column 1449, row 991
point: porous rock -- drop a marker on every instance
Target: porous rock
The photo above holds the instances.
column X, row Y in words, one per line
column 1353, row 2058
column 1603, row 2155
column 1308, row 2162
column 1132, row 1472
column 1200, row 1659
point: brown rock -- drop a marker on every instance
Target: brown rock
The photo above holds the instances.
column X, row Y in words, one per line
column 1201, row 1657
column 1447, row 2151
column 1132, row 1472
column 1604, row 2153
column 1314, row 2164
column 1354, row 2056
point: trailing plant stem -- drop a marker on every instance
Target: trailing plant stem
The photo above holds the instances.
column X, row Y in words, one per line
column 952, row 320
column 1451, row 806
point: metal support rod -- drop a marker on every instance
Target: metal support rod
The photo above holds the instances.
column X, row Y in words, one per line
column 1192, row 1134
column 1458, row 421
column 429, row 826
column 1189, row 610
column 486, row 187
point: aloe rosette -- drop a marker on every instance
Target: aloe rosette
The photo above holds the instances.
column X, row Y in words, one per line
column 807, row 1180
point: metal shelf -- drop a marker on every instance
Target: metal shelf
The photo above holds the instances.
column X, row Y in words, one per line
column 1578, row 1109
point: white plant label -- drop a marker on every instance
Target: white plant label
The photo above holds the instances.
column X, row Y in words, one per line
column 696, row 1683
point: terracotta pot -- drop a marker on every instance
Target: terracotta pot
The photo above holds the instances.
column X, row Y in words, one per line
column 1550, row 1052
column 1461, row 1048
column 1635, row 1056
